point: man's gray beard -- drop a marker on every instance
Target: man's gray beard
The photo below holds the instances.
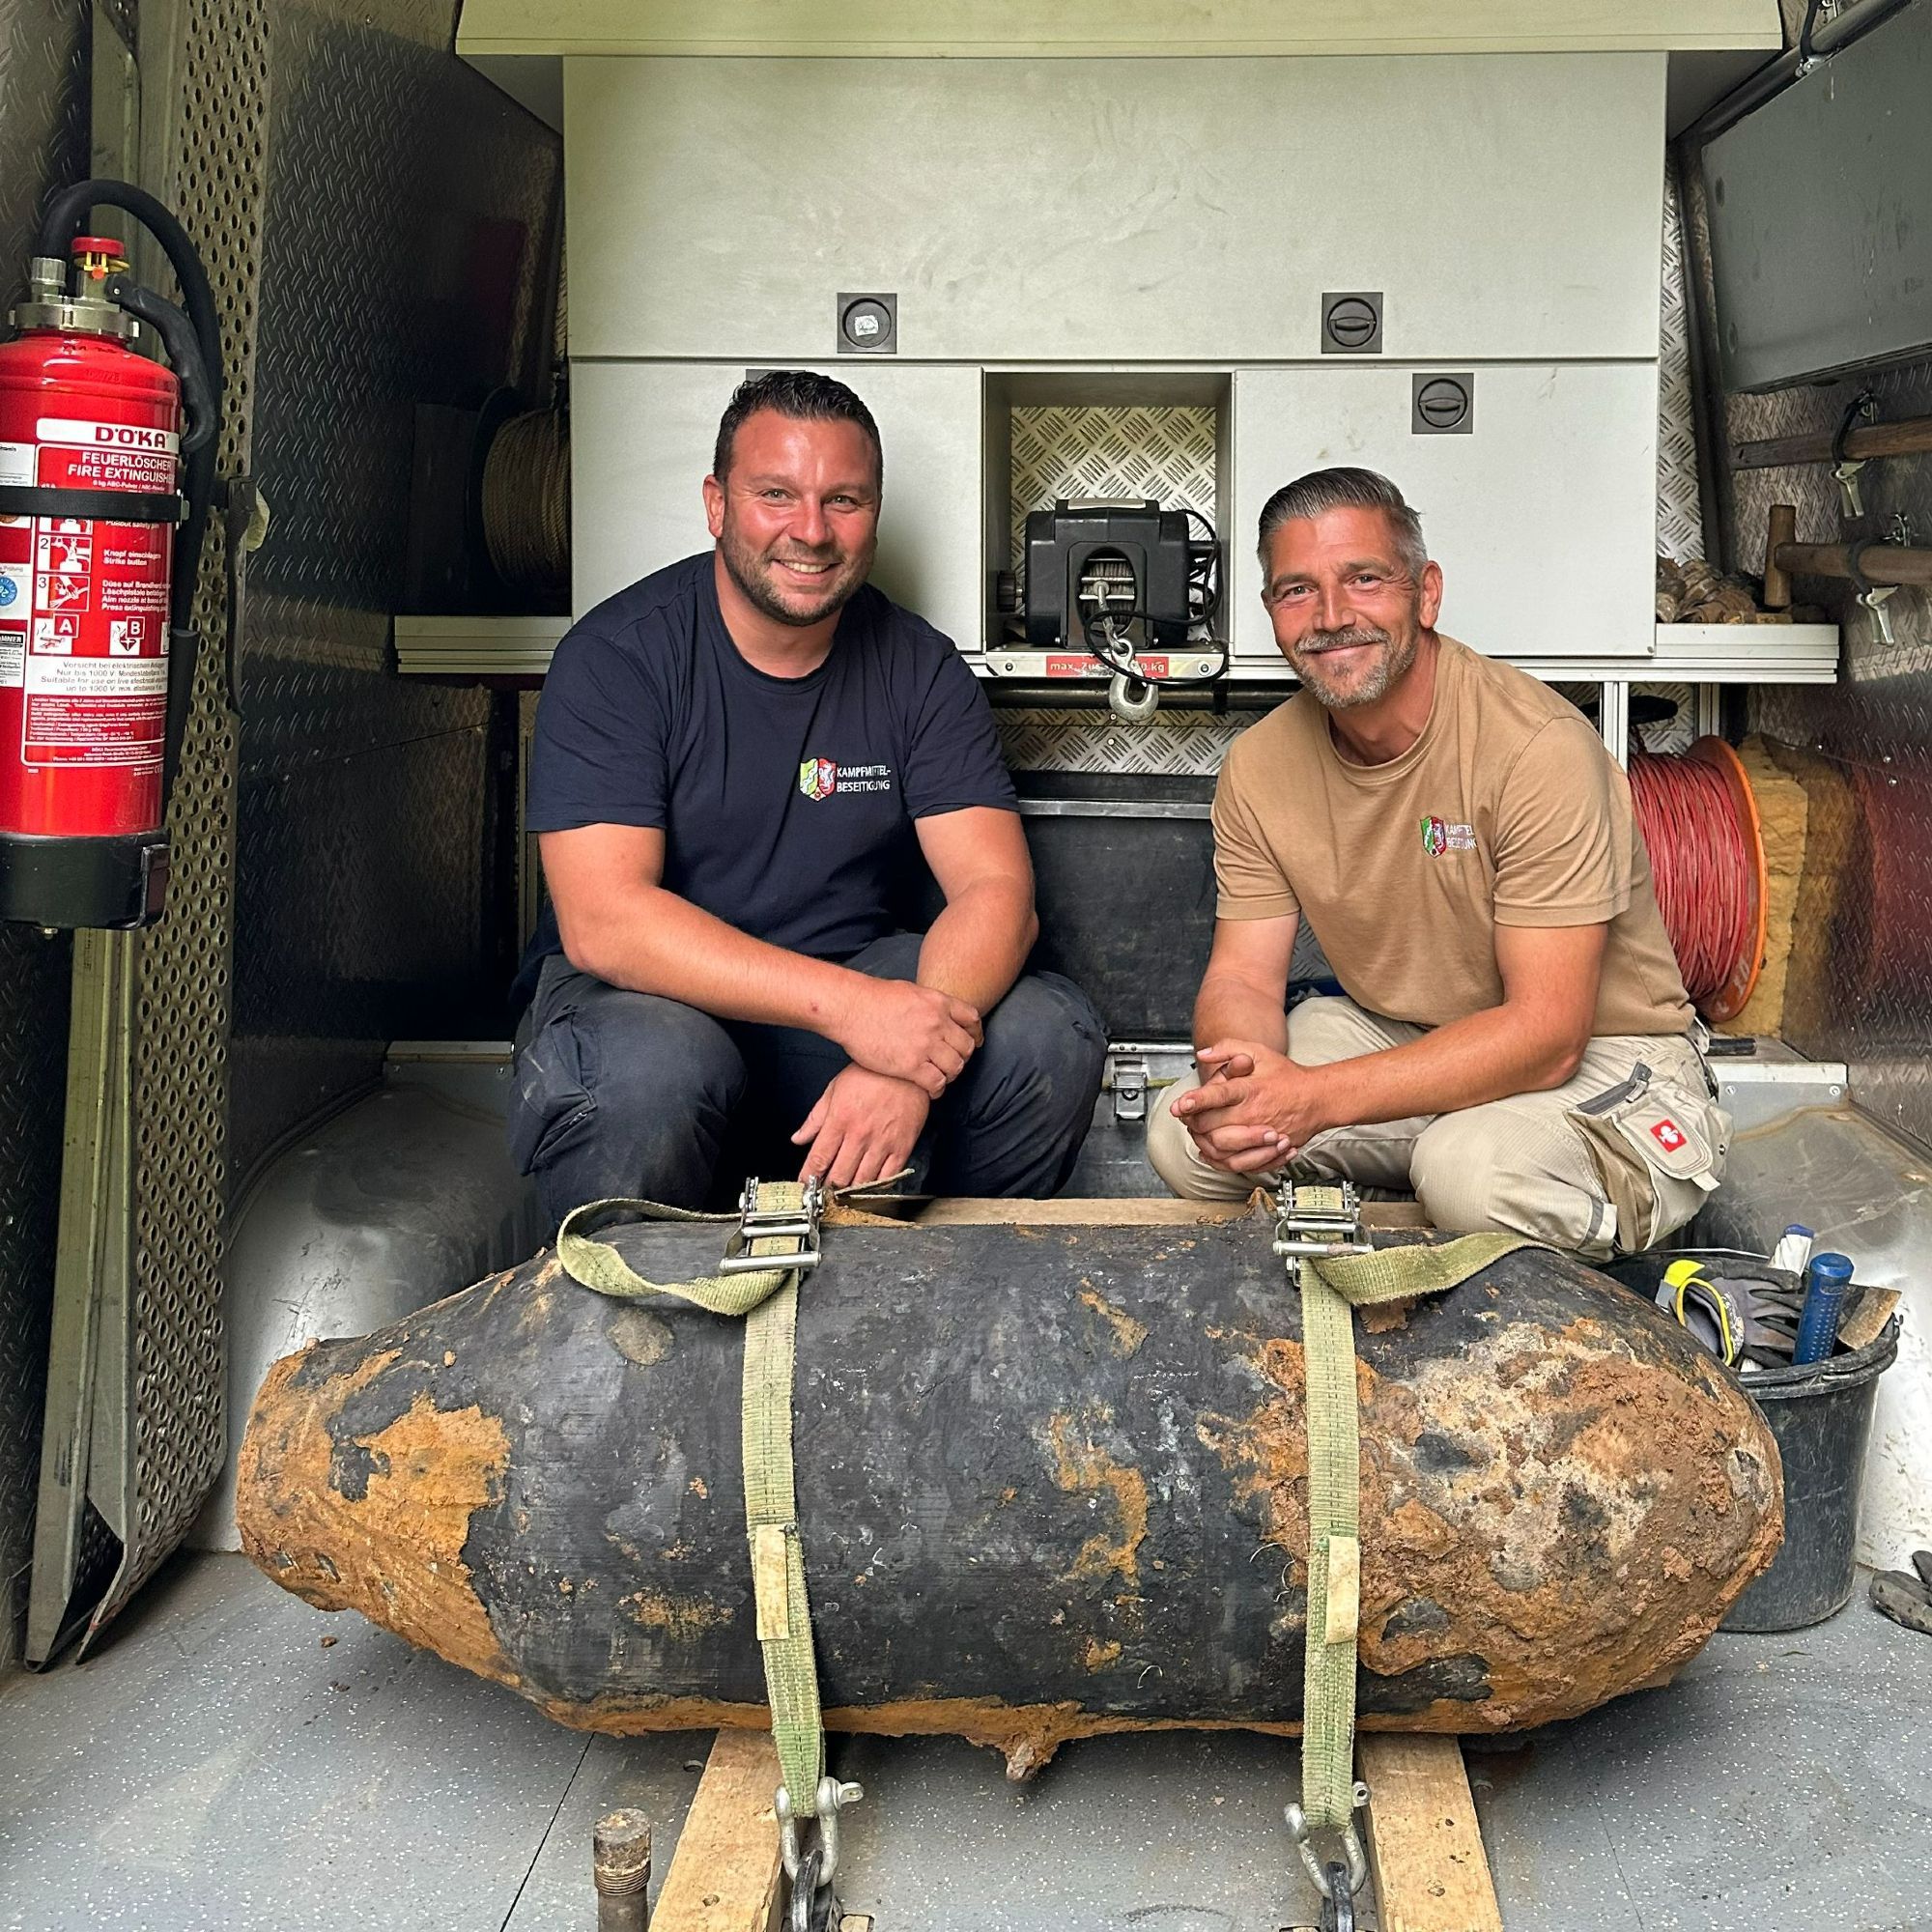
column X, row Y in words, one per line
column 1397, row 657
column 742, row 566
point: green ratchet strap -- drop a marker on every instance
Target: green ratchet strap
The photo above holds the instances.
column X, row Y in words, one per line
column 767, row 1299
column 1332, row 1286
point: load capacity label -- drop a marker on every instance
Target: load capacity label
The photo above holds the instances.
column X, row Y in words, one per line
column 1069, row 666
column 83, row 601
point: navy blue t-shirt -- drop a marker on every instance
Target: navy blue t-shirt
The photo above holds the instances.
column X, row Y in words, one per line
column 784, row 802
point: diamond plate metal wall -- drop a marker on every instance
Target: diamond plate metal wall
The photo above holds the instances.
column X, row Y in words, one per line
column 1680, row 513
column 407, row 243
column 1165, row 452
column 1860, row 984
column 44, row 134
column 1174, row 744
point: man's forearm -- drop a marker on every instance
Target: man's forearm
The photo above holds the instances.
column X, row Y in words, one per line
column 975, row 948
column 1230, row 1008
column 660, row 943
column 1483, row 1057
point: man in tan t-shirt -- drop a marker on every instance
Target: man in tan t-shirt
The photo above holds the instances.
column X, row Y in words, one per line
column 1515, row 1045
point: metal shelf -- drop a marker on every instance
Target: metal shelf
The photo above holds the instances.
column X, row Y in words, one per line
column 1713, row 654
column 1684, row 654
column 477, row 646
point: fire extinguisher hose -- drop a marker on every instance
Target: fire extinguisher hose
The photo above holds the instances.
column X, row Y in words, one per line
column 62, row 223
column 178, row 338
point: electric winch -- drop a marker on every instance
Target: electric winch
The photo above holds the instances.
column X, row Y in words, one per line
column 1130, row 582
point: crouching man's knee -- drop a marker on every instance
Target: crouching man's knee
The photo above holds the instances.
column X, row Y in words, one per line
column 1015, row 1121
column 1467, row 1180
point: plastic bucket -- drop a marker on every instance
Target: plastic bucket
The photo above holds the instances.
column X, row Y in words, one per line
column 1821, row 1416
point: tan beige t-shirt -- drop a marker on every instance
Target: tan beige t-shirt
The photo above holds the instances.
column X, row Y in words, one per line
column 1507, row 810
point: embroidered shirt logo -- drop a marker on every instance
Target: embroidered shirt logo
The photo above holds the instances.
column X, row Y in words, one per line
column 1668, row 1135
column 1439, row 837
column 824, row 777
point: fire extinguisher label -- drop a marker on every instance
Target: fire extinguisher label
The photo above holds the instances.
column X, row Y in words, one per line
column 88, row 601
column 16, row 466
column 77, row 455
column 85, row 710
column 89, row 677
column 17, row 610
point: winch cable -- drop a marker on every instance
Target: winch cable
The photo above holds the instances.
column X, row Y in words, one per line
column 1105, row 640
column 1104, row 629
column 1706, row 854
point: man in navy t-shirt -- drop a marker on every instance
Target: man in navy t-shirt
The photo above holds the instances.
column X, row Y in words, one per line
column 734, row 760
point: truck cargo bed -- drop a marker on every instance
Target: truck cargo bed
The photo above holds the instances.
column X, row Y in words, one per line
column 215, row 1766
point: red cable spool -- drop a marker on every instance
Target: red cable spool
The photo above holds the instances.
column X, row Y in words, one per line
column 1700, row 826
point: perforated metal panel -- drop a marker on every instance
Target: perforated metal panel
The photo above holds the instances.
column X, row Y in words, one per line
column 43, row 142
column 174, row 1431
column 1166, row 453
column 33, row 1053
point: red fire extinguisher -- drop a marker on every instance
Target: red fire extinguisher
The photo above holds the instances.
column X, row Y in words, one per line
column 99, row 540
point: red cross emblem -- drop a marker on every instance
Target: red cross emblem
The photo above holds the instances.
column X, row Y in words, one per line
column 1668, row 1135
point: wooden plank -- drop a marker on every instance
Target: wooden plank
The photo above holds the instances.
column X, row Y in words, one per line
column 1393, row 1214
column 1425, row 1847
column 1132, row 1211
column 725, row 1877
column 1136, row 1211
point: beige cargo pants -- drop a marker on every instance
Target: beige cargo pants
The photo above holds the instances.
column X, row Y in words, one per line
column 1615, row 1159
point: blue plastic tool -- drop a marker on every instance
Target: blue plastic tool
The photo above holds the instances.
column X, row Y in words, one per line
column 1824, row 1285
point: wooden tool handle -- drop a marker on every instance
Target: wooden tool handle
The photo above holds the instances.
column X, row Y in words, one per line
column 1782, row 529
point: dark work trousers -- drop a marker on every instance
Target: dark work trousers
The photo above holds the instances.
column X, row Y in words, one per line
column 628, row 1093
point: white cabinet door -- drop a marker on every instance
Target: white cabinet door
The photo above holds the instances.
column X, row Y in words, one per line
column 641, row 439
column 1543, row 517
column 1146, row 211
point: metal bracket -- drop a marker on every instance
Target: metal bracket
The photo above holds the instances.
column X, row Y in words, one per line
column 1303, row 1231
column 1875, row 600
column 814, row 1906
column 798, row 1224
column 1127, row 1076
column 1336, row 1879
column 1874, row 596
column 1846, row 476
column 1862, row 406
column 1817, row 14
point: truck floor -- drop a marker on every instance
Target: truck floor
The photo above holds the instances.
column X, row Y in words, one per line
column 221, row 1764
